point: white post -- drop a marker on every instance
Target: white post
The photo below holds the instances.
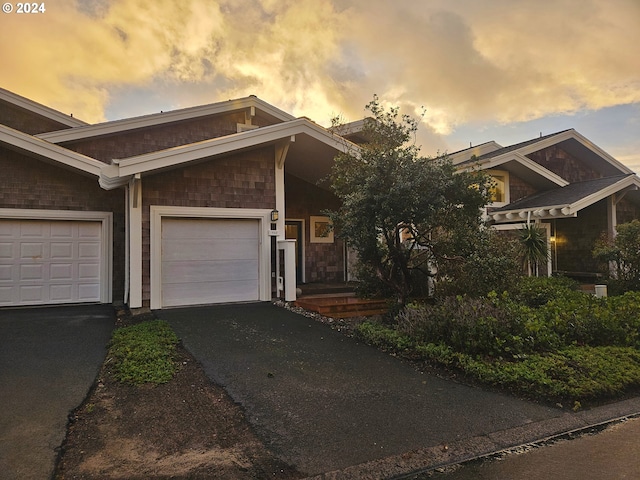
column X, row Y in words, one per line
column 289, row 247
column 135, row 242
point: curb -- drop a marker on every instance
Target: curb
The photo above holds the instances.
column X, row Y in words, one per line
column 491, row 445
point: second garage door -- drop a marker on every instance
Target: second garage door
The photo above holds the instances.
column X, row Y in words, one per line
column 209, row 261
column 47, row 262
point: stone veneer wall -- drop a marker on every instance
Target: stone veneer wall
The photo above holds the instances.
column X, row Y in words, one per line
column 33, row 184
column 245, row 180
column 324, row 262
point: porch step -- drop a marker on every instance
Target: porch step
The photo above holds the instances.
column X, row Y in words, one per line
column 342, row 305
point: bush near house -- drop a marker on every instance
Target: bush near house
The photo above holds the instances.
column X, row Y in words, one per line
column 620, row 258
column 551, row 343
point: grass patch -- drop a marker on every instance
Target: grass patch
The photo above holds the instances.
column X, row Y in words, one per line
column 144, row 353
column 573, row 373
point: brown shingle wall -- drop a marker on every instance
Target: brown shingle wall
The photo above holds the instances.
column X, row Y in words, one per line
column 240, row 181
column 564, row 164
column 324, row 262
column 26, row 121
column 627, row 211
column 518, row 188
column 33, row 184
column 161, row 137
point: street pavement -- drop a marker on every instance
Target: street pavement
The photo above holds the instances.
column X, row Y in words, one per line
column 611, row 453
column 49, row 358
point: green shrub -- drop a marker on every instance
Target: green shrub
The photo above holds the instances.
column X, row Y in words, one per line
column 144, row 353
column 536, row 291
column 575, row 373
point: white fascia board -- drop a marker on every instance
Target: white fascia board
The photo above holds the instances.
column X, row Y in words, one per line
column 118, row 126
column 571, row 210
column 48, row 150
column 230, row 143
column 478, row 150
column 528, row 163
column 40, row 109
column 572, row 134
column 605, row 192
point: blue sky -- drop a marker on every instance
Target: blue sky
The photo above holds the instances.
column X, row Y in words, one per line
column 502, row 70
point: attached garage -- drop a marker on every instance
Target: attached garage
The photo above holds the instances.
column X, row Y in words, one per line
column 47, row 261
column 209, row 261
column 209, row 255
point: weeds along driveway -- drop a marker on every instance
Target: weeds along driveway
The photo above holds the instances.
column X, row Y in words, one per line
column 322, row 401
column 49, row 358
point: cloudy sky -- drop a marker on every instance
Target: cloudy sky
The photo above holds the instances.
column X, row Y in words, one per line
column 503, row 70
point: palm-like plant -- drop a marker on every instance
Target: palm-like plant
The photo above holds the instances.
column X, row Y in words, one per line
column 533, row 241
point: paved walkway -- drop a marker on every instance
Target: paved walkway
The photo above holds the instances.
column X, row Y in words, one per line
column 330, row 405
column 49, row 358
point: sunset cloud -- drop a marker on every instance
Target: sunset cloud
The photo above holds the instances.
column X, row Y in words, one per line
column 501, row 61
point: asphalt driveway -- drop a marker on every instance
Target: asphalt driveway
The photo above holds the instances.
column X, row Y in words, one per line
column 324, row 402
column 49, row 358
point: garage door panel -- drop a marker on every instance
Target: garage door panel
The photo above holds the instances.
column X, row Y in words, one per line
column 61, row 271
column 202, row 272
column 47, row 261
column 213, row 249
column 89, row 271
column 181, row 294
column 209, row 261
column 61, row 293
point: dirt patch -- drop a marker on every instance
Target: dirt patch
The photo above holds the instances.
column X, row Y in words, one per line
column 186, row 428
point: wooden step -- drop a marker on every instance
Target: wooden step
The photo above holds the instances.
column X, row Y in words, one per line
column 342, row 306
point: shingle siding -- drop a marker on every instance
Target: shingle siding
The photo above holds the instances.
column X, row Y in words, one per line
column 244, row 180
column 564, row 164
column 26, row 121
column 29, row 183
column 161, row 137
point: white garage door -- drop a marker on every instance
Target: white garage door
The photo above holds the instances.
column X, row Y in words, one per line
column 209, row 261
column 49, row 261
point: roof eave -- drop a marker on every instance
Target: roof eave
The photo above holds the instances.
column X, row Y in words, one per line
column 42, row 148
column 40, row 109
column 118, row 126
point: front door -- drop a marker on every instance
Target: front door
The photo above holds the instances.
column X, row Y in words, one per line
column 293, row 230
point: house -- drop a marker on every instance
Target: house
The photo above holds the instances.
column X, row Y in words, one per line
column 564, row 183
column 224, row 203
column 210, row 204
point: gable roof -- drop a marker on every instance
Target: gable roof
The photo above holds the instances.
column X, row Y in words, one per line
column 571, row 141
column 39, row 109
column 565, row 201
column 32, row 146
column 249, row 104
column 121, row 170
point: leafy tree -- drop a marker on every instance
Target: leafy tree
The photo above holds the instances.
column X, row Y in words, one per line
column 491, row 263
column 622, row 255
column 404, row 214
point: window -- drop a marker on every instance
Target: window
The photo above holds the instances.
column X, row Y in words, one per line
column 321, row 230
column 500, row 188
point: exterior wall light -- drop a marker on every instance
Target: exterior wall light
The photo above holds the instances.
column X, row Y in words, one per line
column 274, row 215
